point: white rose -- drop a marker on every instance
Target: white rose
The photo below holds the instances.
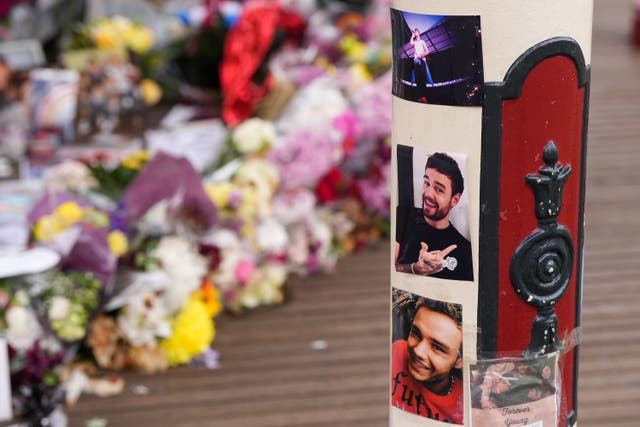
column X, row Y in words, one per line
column 23, row 328
column 59, row 308
column 254, row 135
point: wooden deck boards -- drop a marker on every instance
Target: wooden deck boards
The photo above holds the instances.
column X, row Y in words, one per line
column 271, row 377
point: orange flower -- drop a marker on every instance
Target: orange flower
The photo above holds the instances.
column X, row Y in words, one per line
column 209, row 294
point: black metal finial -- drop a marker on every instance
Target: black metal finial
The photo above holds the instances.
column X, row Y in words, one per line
column 542, row 265
column 548, row 185
column 550, row 153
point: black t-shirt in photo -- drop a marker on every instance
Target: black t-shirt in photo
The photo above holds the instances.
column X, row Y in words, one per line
column 458, row 264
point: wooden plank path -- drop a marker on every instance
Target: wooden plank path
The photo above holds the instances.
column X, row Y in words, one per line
column 270, row 376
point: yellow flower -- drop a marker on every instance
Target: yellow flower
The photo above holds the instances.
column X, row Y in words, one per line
column 360, row 72
column 135, row 160
column 353, row 48
column 219, row 193
column 118, row 243
column 193, row 332
column 151, row 92
column 68, row 214
column 46, row 228
column 106, row 37
column 138, row 38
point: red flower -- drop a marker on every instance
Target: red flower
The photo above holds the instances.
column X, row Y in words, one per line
column 245, row 49
column 328, row 187
column 334, row 185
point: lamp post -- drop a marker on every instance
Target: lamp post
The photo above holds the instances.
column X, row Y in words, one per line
column 509, row 104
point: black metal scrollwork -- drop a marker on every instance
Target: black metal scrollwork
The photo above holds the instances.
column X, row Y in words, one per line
column 542, row 265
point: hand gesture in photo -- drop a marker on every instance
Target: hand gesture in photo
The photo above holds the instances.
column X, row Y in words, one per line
column 431, row 262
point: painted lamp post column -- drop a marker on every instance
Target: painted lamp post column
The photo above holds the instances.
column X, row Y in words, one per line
column 489, row 131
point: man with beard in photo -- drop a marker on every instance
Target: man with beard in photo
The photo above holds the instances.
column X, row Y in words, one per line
column 426, row 368
column 431, row 245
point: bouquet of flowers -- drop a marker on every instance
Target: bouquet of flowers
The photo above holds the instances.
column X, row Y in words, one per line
column 152, row 251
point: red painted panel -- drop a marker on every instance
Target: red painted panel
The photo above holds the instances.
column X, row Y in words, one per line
column 550, row 108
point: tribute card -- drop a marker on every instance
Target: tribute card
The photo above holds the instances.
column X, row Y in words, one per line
column 515, row 392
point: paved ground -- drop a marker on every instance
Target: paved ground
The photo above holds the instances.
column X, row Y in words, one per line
column 271, row 377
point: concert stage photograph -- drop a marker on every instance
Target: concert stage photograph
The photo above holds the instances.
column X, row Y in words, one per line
column 437, row 59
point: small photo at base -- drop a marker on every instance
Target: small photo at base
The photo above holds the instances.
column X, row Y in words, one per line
column 426, row 357
column 432, row 220
column 437, row 59
column 515, row 392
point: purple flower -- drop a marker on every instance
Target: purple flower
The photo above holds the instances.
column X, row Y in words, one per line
column 303, row 158
column 117, row 220
column 210, row 359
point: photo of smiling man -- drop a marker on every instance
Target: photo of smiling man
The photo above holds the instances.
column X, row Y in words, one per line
column 432, row 225
column 426, row 371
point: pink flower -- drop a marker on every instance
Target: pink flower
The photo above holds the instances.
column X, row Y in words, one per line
column 349, row 124
column 303, row 158
column 244, row 270
column 373, row 107
column 374, row 190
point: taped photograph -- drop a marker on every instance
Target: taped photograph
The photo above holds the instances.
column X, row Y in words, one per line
column 432, row 218
column 437, row 59
column 515, row 392
column 426, row 357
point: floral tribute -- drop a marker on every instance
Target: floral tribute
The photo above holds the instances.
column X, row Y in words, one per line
column 152, row 250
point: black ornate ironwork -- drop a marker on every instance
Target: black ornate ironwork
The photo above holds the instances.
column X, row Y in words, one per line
column 542, row 265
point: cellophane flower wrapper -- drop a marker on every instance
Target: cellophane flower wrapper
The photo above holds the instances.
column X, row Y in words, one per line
column 166, row 177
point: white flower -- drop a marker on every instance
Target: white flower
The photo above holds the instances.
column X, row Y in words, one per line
column 298, row 250
column 254, row 135
column 304, row 8
column 59, row 308
column 184, row 265
column 263, row 176
column 144, row 320
column 271, row 236
column 265, row 287
column 313, row 108
column 70, row 175
column 23, row 328
column 225, row 275
column 294, row 206
column 322, row 235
